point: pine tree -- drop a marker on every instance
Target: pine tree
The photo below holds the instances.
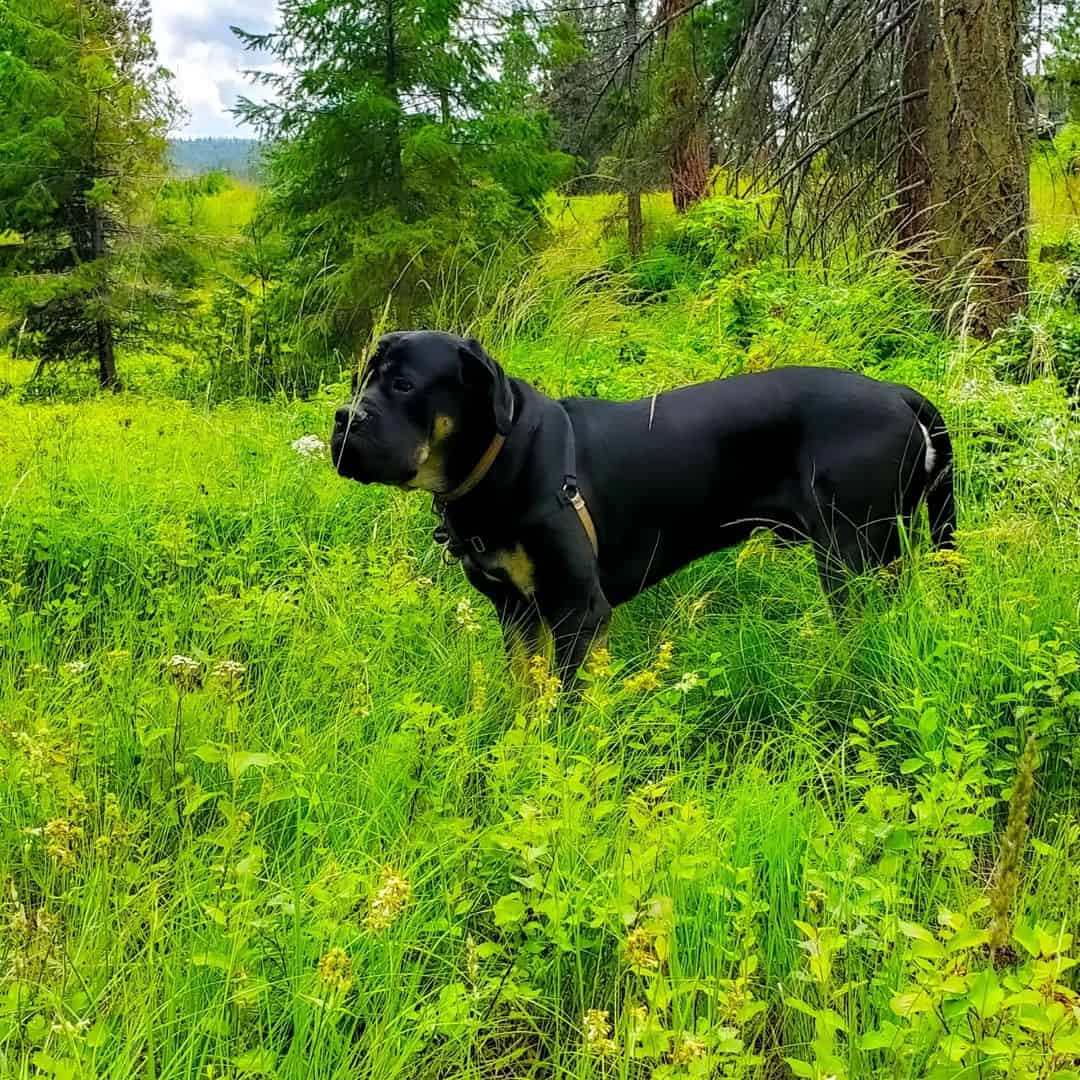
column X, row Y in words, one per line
column 394, row 151
column 83, row 113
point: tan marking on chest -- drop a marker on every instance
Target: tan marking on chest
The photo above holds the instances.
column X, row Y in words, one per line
column 516, row 565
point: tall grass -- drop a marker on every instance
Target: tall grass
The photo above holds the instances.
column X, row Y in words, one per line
column 762, row 849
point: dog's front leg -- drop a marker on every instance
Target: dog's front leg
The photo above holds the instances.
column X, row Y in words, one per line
column 575, row 630
column 521, row 626
column 570, row 597
column 519, row 618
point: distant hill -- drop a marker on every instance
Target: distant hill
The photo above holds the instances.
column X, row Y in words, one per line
column 237, row 157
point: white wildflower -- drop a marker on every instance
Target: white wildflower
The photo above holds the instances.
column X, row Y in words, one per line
column 690, row 681
column 310, row 446
column 465, row 617
column 184, row 672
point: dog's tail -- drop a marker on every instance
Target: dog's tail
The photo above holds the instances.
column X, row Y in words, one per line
column 938, row 465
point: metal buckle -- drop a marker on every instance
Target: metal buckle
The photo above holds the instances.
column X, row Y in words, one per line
column 477, row 545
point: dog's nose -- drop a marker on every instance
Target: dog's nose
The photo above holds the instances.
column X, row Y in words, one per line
column 347, row 415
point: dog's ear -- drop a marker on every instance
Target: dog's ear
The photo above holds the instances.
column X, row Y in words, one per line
column 480, row 370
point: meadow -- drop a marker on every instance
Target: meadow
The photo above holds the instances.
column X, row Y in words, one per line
column 272, row 806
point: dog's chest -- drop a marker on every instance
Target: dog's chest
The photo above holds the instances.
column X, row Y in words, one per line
column 507, row 566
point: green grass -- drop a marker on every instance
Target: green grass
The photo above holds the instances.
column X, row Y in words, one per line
column 779, row 841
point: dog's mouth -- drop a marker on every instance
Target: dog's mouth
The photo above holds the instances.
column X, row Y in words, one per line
column 369, row 465
column 349, row 472
column 348, row 460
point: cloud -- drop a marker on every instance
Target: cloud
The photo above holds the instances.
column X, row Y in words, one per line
column 207, row 61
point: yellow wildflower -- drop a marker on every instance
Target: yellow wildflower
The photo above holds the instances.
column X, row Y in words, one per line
column 472, row 960
column 547, row 683
column 641, row 950
column 386, row 904
column 664, row 655
column 949, row 558
column 688, row 1050
column 35, row 936
column 61, row 838
column 731, row 1001
column 642, row 682
column 335, row 970
column 478, row 678
column 599, row 665
column 597, row 1030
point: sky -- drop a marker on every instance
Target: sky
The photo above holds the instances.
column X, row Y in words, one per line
column 194, row 42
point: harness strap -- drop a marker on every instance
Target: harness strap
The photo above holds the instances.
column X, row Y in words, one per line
column 569, row 495
column 578, row 503
column 570, row 487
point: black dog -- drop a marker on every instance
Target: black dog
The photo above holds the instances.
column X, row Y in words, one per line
column 561, row 509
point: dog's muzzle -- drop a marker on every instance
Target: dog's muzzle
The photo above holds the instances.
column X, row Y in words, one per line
column 356, row 450
column 347, row 416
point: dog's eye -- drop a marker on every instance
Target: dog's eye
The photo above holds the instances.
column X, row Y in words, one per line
column 402, row 386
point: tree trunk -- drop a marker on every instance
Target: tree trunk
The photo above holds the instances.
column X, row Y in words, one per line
column 977, row 155
column 688, row 151
column 635, row 230
column 106, row 352
column 913, row 170
column 106, row 356
column 689, row 155
column 395, row 173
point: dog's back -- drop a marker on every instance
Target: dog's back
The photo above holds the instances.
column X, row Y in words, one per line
column 825, row 454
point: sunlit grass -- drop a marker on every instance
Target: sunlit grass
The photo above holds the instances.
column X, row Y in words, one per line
column 229, row 211
column 270, row 803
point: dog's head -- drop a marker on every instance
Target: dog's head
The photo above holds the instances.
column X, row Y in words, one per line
column 421, row 407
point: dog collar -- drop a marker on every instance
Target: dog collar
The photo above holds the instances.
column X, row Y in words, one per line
column 481, row 468
column 479, row 471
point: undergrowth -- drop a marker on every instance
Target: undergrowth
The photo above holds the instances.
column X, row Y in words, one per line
column 272, row 806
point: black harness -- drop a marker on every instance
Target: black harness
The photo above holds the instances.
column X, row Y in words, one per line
column 568, row 496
